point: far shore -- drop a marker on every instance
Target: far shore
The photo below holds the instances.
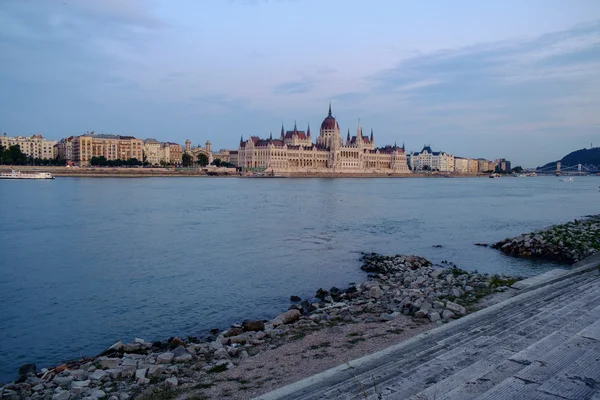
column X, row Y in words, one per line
column 119, row 172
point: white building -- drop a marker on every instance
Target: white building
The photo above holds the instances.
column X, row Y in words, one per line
column 35, row 146
column 427, row 159
column 152, row 151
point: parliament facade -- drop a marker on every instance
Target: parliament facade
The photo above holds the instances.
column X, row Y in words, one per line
column 295, row 152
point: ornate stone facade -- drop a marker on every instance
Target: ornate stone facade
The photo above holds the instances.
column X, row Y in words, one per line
column 294, row 151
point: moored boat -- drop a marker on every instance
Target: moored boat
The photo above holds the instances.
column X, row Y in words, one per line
column 25, row 175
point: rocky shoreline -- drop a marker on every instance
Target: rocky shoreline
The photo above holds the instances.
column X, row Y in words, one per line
column 400, row 288
column 570, row 242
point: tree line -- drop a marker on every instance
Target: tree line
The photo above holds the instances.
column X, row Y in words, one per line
column 14, row 156
column 102, row 161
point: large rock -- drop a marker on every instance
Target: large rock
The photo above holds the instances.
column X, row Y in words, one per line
column 221, row 354
column 165, row 358
column 375, row 292
column 80, row 384
column 98, row 375
column 171, row 382
column 132, row 347
column 109, row 363
column 286, row 318
column 253, row 325
column 27, row 369
column 447, row 314
column 456, row 308
column 62, row 396
column 434, row 316
column 140, row 373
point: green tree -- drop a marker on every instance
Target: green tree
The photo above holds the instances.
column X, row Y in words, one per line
column 202, row 160
column 17, row 156
column 186, row 160
column 217, row 162
column 517, row 170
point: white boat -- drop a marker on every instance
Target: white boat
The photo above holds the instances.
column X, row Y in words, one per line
column 569, row 179
column 494, row 176
column 27, row 175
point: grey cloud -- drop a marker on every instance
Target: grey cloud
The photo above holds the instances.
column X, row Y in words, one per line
column 295, row 87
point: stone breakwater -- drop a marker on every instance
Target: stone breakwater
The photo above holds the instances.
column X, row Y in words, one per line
column 570, row 242
column 397, row 285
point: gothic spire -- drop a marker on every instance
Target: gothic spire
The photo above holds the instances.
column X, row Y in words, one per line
column 241, row 139
column 282, row 131
column 330, row 108
column 271, row 137
column 371, row 135
column 295, row 129
column 348, row 137
column 308, row 130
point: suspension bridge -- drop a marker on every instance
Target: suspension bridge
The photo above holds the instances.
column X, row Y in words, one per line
column 578, row 169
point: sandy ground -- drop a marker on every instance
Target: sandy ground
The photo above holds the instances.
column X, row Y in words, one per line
column 298, row 357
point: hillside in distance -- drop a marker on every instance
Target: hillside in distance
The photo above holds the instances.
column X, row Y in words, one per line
column 585, row 157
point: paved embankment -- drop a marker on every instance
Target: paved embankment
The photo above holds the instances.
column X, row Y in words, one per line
column 543, row 343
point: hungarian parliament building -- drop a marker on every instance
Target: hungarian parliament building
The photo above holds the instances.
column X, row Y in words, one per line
column 294, row 151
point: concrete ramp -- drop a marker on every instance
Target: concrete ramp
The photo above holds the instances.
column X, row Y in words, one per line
column 543, row 343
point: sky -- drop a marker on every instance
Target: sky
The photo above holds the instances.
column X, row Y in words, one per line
column 496, row 79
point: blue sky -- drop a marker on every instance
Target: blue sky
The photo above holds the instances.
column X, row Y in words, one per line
column 515, row 79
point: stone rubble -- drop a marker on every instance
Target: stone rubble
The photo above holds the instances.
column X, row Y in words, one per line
column 570, row 242
column 398, row 284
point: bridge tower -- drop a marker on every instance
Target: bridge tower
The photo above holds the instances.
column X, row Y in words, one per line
column 558, row 167
column 578, row 167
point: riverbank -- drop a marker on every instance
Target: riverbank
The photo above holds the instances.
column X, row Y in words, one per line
column 119, row 172
column 570, row 242
column 404, row 296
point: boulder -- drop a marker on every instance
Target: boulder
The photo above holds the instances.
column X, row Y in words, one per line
column 434, row 316
column 221, row 354
column 140, row 373
column 27, row 369
column 176, row 342
column 132, row 347
column 98, row 394
column 98, row 375
column 80, row 384
column 109, row 363
column 171, row 382
column 165, row 358
column 456, row 308
column 447, row 314
column 374, row 292
column 64, row 395
column 295, row 298
column 286, row 318
column 234, row 332
column 256, row 325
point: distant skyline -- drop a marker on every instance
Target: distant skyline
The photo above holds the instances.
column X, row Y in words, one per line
column 512, row 79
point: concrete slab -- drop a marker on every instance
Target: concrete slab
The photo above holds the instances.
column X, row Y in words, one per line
column 591, row 332
column 536, row 280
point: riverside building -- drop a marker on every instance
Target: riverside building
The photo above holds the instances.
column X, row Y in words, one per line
column 112, row 147
column 294, row 151
column 427, row 159
column 34, row 146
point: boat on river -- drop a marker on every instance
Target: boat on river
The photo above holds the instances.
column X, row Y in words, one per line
column 25, row 175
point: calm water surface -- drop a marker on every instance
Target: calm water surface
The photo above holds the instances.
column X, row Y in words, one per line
column 87, row 262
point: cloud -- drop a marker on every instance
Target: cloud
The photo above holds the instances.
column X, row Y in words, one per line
column 295, row 87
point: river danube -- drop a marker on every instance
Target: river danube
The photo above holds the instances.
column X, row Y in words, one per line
column 87, row 262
